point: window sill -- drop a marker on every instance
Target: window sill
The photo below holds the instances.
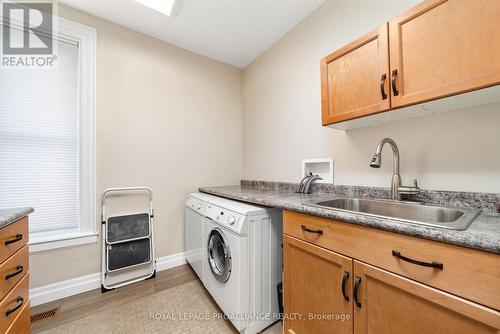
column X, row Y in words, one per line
column 42, row 244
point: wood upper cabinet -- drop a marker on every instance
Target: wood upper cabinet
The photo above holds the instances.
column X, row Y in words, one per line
column 317, row 283
column 437, row 49
column 444, row 47
column 389, row 303
column 354, row 79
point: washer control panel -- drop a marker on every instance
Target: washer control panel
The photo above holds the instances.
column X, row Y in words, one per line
column 227, row 218
column 196, row 205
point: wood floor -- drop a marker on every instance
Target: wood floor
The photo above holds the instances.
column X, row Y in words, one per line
column 86, row 303
column 92, row 302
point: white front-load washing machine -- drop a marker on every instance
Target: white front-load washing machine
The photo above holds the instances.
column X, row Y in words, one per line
column 243, row 262
column 226, row 276
column 194, row 218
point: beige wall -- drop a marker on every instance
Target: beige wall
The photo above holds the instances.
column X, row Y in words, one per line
column 282, row 120
column 173, row 120
column 166, row 118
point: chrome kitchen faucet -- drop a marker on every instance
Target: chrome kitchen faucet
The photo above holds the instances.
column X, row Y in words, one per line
column 396, row 188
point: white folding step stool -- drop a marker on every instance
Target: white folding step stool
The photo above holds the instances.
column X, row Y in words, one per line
column 127, row 243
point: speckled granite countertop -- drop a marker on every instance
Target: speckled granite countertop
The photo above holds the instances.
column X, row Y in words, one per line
column 8, row 216
column 483, row 233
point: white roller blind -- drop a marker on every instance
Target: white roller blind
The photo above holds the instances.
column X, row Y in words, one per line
column 39, row 142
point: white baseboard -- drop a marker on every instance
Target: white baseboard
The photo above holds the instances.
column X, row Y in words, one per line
column 167, row 262
column 63, row 289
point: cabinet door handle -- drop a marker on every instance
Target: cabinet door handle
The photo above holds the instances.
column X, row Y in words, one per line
column 19, row 269
column 393, row 80
column 344, row 283
column 433, row 264
column 357, row 282
column 17, row 238
column 304, row 228
column 20, row 302
column 382, row 86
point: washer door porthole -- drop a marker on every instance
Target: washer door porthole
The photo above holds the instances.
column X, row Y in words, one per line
column 219, row 255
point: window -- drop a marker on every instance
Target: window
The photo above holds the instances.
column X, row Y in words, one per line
column 47, row 141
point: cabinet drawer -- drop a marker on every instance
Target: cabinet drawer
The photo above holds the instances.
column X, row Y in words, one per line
column 472, row 274
column 12, row 304
column 22, row 324
column 12, row 238
column 12, row 270
column 319, row 232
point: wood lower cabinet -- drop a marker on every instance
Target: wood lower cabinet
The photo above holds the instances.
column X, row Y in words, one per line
column 318, row 252
column 471, row 274
column 14, row 278
column 313, row 289
column 354, row 79
column 389, row 303
column 444, row 47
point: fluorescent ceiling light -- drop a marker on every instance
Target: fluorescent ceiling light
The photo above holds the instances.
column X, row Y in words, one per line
column 167, row 7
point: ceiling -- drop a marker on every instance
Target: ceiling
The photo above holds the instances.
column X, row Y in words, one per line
column 231, row 31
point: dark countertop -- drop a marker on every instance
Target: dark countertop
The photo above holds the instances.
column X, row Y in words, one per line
column 483, row 234
column 8, row 216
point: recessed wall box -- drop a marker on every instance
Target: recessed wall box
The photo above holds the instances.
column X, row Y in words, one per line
column 321, row 167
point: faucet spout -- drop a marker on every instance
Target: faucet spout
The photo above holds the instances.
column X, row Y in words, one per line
column 396, row 188
column 377, row 157
column 309, row 183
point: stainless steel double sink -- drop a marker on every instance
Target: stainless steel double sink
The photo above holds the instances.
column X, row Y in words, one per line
column 409, row 212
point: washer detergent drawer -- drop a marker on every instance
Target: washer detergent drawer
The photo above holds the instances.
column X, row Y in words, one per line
column 195, row 243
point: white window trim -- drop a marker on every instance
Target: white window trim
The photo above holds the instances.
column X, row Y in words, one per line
column 86, row 38
column 67, row 240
